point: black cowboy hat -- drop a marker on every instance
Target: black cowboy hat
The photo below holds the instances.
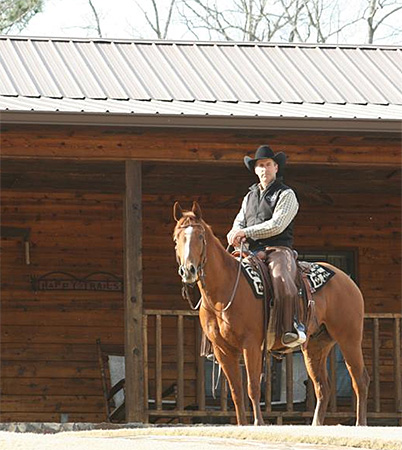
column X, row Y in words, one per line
column 264, row 152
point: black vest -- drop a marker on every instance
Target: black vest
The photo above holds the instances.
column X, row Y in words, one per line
column 259, row 208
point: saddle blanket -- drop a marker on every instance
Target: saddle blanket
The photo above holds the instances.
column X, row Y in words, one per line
column 317, row 277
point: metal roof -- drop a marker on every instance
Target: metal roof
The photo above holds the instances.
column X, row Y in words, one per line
column 212, row 79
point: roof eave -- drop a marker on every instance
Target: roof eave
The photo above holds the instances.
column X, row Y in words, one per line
column 200, row 121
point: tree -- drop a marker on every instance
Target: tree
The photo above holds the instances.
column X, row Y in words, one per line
column 376, row 14
column 287, row 20
column 15, row 14
column 96, row 17
column 160, row 26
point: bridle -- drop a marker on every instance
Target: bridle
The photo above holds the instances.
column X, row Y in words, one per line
column 203, row 259
column 201, row 274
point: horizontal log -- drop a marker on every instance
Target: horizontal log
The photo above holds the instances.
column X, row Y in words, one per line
column 49, row 351
column 64, row 318
column 23, row 403
column 34, row 416
column 52, row 386
column 60, row 335
column 182, row 145
column 49, row 369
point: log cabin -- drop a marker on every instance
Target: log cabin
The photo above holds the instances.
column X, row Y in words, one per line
column 100, row 137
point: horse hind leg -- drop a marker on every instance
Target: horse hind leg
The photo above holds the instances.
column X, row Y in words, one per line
column 315, row 358
column 253, row 362
column 360, row 379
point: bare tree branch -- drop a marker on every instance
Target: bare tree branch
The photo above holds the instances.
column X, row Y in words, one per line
column 96, row 16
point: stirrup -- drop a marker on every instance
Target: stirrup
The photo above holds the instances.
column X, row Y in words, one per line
column 294, row 339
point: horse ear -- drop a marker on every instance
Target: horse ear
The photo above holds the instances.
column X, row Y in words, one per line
column 177, row 211
column 197, row 210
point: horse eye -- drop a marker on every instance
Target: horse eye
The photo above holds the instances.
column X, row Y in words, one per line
column 200, row 237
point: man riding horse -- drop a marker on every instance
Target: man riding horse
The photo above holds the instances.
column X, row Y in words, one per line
column 265, row 224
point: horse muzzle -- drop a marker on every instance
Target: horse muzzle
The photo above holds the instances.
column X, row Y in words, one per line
column 188, row 273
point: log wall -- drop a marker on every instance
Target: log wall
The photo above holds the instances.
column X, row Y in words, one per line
column 49, row 360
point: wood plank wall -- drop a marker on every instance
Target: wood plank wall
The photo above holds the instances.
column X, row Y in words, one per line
column 49, row 362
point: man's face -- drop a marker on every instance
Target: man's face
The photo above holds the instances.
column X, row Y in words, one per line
column 266, row 170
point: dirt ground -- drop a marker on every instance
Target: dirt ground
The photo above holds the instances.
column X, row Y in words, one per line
column 209, row 438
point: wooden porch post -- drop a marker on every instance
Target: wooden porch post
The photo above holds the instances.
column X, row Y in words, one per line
column 133, row 305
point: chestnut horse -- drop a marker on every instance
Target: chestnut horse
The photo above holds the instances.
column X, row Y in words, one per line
column 238, row 329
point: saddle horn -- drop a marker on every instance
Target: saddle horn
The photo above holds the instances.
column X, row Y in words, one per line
column 197, row 210
column 177, row 211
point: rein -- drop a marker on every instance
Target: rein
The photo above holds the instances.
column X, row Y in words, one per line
column 185, row 289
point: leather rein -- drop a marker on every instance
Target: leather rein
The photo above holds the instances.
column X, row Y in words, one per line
column 201, row 277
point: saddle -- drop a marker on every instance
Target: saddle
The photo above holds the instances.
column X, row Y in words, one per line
column 304, row 311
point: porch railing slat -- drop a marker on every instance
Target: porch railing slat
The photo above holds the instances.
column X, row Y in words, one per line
column 146, row 364
column 200, row 370
column 376, row 363
column 268, row 383
column 180, row 363
column 289, row 382
column 397, row 356
column 158, row 363
column 332, row 369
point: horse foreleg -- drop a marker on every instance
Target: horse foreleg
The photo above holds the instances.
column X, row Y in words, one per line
column 315, row 358
column 231, row 368
column 360, row 379
column 253, row 361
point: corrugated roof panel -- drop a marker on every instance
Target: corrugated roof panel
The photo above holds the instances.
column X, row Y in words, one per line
column 392, row 72
column 380, row 83
column 282, row 58
column 123, row 71
column 322, row 60
column 141, row 69
column 253, row 74
column 16, row 70
column 209, row 73
column 274, row 75
column 229, row 72
column 58, row 70
column 82, row 74
column 162, row 67
column 201, row 78
column 262, row 110
column 345, row 64
column 317, row 76
column 194, row 82
column 38, row 72
column 6, row 85
column 101, row 70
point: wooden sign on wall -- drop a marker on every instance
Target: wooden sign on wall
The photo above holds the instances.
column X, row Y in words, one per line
column 62, row 281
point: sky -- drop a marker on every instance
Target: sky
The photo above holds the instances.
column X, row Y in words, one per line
column 121, row 19
column 124, row 19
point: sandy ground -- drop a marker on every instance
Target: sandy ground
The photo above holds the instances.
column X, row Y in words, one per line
column 209, row 438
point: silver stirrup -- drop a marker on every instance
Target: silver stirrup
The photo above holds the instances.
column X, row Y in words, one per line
column 297, row 338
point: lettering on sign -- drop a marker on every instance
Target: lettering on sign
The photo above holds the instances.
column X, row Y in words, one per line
column 62, row 281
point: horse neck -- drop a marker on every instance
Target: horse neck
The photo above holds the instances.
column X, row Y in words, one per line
column 220, row 269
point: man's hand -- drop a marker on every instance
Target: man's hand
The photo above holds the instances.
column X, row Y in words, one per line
column 235, row 237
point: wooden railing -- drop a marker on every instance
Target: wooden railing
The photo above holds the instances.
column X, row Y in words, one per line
column 198, row 404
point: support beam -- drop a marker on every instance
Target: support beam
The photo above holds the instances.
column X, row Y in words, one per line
column 133, row 303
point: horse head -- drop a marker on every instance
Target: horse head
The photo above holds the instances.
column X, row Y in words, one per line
column 189, row 237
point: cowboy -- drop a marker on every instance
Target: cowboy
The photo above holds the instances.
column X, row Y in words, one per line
column 265, row 224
